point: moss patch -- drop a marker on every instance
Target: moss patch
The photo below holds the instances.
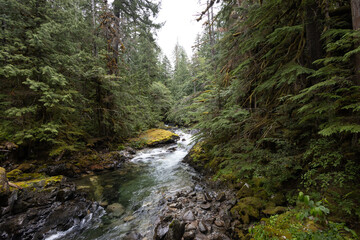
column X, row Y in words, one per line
column 153, row 137
column 39, row 182
column 17, row 175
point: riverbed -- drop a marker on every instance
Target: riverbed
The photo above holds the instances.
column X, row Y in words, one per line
column 138, row 188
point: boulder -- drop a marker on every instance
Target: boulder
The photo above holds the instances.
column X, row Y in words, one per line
column 115, row 209
column 176, row 230
column 155, row 137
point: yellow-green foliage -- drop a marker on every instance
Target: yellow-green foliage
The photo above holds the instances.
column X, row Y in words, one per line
column 154, row 136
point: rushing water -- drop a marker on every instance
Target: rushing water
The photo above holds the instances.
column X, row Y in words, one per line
column 138, row 187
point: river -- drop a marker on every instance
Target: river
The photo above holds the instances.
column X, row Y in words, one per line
column 138, row 188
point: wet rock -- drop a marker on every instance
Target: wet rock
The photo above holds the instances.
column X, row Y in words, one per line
column 133, row 236
column 32, row 213
column 129, row 218
column 116, row 209
column 188, row 216
column 171, row 149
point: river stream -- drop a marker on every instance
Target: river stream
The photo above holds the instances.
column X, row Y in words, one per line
column 138, row 188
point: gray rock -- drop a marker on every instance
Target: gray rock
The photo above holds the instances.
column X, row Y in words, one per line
column 188, row 216
column 202, row 227
column 191, row 226
column 205, row 206
column 133, row 236
column 161, row 231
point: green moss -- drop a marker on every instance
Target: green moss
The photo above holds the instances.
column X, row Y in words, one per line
column 41, row 182
column 12, row 175
column 154, row 136
column 288, row 226
column 17, row 175
column 248, row 207
column 271, row 210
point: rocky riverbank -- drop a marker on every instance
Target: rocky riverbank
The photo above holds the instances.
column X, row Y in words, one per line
column 39, row 198
column 42, row 207
column 196, row 213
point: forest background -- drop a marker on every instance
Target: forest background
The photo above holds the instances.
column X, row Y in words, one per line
column 272, row 86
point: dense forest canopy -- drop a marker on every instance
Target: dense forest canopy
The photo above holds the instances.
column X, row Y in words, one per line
column 273, row 87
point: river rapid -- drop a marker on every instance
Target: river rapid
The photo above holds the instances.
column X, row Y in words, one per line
column 137, row 189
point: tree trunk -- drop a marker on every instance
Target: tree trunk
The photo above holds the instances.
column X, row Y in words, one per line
column 355, row 12
column 94, row 27
column 313, row 33
column 313, row 36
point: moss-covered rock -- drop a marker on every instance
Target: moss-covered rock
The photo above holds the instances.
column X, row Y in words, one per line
column 154, row 137
column 26, row 167
column 41, row 182
column 271, row 210
column 4, row 186
column 17, row 175
column 12, row 175
column 248, row 207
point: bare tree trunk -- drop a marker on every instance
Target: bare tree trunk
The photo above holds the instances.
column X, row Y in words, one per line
column 211, row 31
column 355, row 12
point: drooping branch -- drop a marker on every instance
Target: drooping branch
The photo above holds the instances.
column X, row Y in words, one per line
column 212, row 2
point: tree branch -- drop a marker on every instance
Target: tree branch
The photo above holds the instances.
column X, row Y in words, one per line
column 212, row 2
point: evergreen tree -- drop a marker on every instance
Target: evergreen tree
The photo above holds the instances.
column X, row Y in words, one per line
column 285, row 105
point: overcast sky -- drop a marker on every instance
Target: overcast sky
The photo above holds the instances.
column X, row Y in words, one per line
column 180, row 24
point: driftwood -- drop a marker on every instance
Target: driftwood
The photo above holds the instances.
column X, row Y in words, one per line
column 14, row 185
